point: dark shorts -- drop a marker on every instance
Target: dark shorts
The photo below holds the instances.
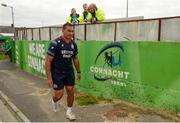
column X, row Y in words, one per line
column 61, row 80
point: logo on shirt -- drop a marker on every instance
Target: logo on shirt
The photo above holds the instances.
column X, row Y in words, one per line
column 72, row 46
column 67, row 53
column 52, row 47
column 55, row 85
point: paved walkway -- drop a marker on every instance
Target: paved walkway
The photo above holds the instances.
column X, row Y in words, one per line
column 5, row 114
column 32, row 96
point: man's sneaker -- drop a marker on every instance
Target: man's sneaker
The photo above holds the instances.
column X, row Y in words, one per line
column 54, row 106
column 70, row 115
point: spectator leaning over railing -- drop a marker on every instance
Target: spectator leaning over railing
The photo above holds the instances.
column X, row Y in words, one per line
column 97, row 14
column 73, row 18
column 86, row 16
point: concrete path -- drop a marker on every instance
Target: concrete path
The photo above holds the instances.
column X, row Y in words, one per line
column 5, row 114
column 32, row 96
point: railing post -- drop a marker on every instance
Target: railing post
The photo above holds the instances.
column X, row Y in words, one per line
column 159, row 30
column 115, row 30
column 32, row 34
column 39, row 33
column 85, row 32
column 50, row 33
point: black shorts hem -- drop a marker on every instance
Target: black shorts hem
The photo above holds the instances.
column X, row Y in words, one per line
column 58, row 88
column 69, row 84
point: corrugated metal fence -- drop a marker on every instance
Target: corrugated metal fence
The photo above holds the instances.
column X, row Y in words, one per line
column 157, row 29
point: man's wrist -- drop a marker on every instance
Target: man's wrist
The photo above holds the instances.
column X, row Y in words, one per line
column 78, row 72
column 48, row 77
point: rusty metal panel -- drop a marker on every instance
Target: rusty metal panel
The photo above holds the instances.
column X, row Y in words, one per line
column 44, row 32
column 137, row 31
column 170, row 29
column 20, row 34
column 29, row 34
column 79, row 32
column 55, row 32
column 36, row 34
column 100, row 32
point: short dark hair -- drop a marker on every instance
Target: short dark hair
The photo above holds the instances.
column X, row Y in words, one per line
column 67, row 24
column 85, row 4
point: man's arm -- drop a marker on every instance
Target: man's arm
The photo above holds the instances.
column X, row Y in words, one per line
column 49, row 60
column 77, row 66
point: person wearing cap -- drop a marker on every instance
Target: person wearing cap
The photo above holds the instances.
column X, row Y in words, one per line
column 86, row 16
column 97, row 14
column 73, row 18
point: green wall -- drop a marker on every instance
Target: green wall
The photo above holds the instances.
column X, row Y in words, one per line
column 30, row 56
column 148, row 73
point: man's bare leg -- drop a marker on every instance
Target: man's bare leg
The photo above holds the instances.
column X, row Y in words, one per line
column 57, row 96
column 70, row 100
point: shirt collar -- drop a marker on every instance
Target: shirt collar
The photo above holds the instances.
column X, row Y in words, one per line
column 64, row 40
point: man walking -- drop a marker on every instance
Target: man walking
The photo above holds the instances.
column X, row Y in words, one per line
column 59, row 68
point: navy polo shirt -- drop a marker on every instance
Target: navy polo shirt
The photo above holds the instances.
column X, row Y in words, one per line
column 63, row 54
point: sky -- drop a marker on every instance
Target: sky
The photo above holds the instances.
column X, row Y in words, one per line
column 34, row 13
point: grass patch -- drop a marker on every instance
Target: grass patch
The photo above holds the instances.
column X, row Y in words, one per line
column 102, row 99
column 84, row 99
column 3, row 57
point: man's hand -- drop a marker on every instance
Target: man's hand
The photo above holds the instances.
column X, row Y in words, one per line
column 78, row 76
column 94, row 20
column 49, row 83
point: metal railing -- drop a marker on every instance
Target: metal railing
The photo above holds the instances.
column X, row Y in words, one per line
column 154, row 29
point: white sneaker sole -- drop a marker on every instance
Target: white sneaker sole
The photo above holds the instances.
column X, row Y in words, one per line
column 71, row 119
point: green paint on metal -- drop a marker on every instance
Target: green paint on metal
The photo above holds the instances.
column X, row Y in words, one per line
column 5, row 38
column 5, row 45
column 145, row 73
column 30, row 56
